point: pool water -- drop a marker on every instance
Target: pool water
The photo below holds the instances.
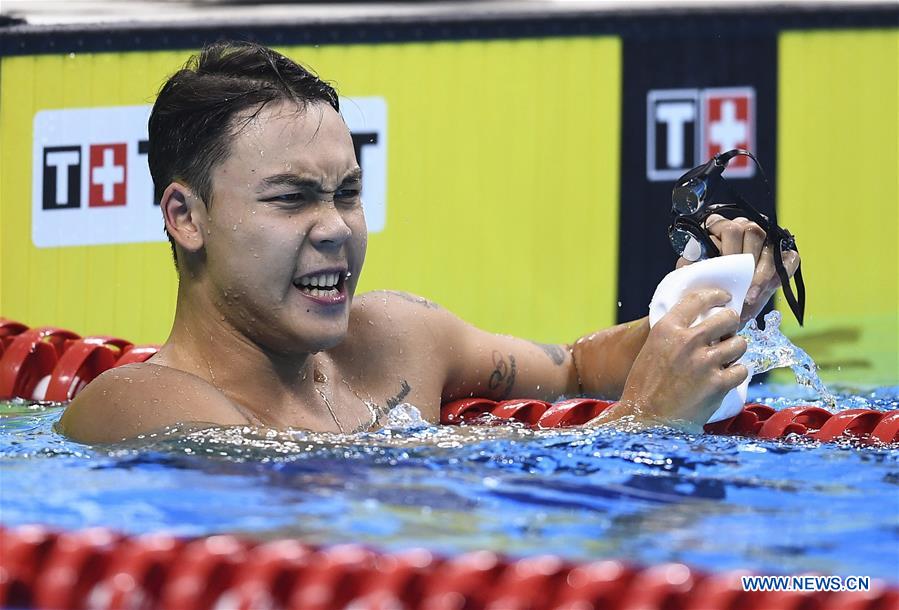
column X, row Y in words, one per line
column 776, row 507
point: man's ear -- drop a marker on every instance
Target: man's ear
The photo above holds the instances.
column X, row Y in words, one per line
column 184, row 214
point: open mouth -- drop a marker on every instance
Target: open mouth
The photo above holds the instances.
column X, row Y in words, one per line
column 324, row 286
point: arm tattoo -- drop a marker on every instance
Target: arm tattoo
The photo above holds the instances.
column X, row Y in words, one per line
column 414, row 299
column 555, row 352
column 503, row 375
column 405, row 388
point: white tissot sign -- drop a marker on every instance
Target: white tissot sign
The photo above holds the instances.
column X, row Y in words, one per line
column 90, row 181
column 366, row 118
column 686, row 127
column 91, row 184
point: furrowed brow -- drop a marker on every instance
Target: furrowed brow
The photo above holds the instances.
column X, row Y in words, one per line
column 354, row 175
column 305, row 182
column 292, row 180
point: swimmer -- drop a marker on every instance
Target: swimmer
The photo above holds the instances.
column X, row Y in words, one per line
column 260, row 192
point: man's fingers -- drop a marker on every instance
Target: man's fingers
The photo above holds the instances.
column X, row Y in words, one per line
column 764, row 272
column 688, row 309
column 728, row 350
column 721, row 324
column 731, row 237
column 753, row 238
column 791, row 262
column 712, row 219
column 733, row 376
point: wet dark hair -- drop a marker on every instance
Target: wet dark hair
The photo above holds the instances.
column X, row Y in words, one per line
column 192, row 121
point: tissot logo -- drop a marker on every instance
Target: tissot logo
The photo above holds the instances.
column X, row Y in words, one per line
column 685, row 127
column 91, row 184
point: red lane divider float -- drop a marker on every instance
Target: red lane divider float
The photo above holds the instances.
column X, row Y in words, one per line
column 96, row 568
column 755, row 420
column 50, row 363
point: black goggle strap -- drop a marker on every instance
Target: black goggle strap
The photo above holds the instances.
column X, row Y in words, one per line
column 753, row 214
column 780, row 239
column 775, row 235
column 796, row 303
column 724, row 158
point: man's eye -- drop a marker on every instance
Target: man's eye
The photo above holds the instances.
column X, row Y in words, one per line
column 290, row 198
column 347, row 194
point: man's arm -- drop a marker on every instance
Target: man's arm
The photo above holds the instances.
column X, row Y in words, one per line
column 501, row 367
column 438, row 350
column 137, row 399
column 676, row 373
column 604, row 359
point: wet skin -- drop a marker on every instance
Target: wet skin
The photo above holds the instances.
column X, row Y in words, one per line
column 252, row 343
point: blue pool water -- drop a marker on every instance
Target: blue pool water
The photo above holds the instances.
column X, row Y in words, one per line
column 785, row 506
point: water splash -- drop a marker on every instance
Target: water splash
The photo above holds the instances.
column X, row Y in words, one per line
column 405, row 416
column 770, row 349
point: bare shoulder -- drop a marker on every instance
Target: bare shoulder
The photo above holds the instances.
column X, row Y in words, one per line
column 384, row 301
column 401, row 328
column 138, row 398
column 399, row 316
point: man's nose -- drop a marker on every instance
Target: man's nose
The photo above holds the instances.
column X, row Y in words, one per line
column 330, row 229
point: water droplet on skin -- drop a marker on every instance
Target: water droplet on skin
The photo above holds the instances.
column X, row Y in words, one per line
column 234, row 228
column 619, row 303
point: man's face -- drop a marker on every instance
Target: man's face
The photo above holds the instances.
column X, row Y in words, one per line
column 285, row 232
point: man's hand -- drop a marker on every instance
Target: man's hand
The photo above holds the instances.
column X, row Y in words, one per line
column 683, row 371
column 740, row 236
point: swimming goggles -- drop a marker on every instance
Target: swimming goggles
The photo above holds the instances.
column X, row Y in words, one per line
column 690, row 208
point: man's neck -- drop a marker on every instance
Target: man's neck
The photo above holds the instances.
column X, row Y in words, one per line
column 204, row 343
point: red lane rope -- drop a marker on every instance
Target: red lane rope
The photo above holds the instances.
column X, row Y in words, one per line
column 54, row 364
column 97, row 568
column 100, row 569
column 756, row 420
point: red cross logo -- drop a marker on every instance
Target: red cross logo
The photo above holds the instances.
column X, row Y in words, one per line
column 729, row 117
column 108, row 175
